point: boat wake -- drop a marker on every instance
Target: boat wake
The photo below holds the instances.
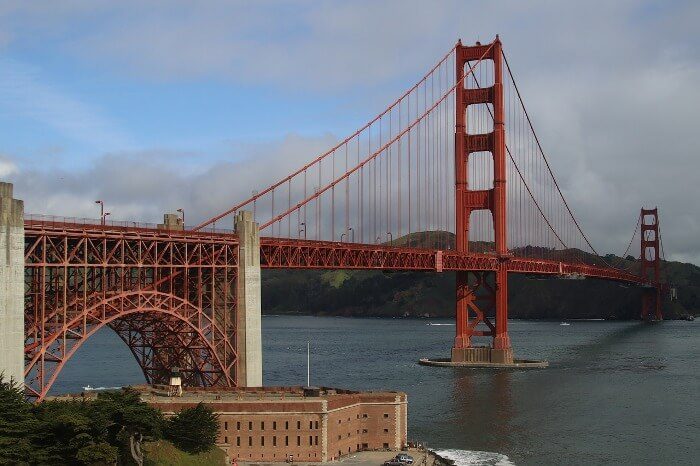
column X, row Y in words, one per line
column 88, row 388
column 475, row 458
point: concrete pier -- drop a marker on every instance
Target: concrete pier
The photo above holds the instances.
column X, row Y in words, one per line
column 11, row 285
column 248, row 306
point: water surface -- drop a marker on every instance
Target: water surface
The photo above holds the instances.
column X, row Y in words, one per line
column 615, row 392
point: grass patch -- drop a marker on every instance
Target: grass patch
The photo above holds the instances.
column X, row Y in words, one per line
column 164, row 453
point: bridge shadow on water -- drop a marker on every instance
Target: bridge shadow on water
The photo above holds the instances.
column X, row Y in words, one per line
column 510, row 411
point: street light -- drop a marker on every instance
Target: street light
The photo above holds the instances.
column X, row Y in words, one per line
column 182, row 211
column 302, row 230
column 104, row 217
column 102, row 208
column 341, row 236
column 391, row 238
column 352, row 233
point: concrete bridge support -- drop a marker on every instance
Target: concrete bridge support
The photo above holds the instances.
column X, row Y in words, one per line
column 248, row 306
column 11, row 285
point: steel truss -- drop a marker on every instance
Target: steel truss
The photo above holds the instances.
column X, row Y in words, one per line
column 171, row 297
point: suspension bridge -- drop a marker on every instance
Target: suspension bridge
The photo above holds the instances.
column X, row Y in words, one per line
column 451, row 177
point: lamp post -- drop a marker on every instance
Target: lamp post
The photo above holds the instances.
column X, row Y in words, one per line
column 102, row 209
column 182, row 211
column 302, row 230
column 352, row 233
column 104, row 217
column 341, row 236
column 391, row 238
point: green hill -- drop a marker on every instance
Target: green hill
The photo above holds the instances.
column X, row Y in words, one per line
column 421, row 294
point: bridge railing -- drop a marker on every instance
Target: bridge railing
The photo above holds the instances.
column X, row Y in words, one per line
column 79, row 222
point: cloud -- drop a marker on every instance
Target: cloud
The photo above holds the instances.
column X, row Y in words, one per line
column 7, row 167
column 141, row 186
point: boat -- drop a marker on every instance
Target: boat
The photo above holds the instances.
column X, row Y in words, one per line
column 435, row 325
column 565, row 324
column 88, row 388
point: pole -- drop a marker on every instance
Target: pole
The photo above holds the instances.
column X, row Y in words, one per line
column 308, row 364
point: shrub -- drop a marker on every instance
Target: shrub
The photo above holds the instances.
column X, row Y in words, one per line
column 193, row 430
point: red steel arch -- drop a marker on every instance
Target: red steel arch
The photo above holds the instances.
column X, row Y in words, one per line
column 171, row 332
column 170, row 296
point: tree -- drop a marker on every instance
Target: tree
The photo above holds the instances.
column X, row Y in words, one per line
column 17, row 427
column 193, row 430
column 130, row 421
column 66, row 427
column 126, row 413
column 98, row 453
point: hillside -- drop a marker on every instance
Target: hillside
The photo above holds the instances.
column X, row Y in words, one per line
column 421, row 294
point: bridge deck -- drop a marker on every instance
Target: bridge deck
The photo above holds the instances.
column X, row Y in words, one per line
column 309, row 254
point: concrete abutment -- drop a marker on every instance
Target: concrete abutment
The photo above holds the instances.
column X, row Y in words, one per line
column 248, row 305
column 11, row 285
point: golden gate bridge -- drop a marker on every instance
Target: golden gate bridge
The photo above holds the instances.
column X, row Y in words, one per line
column 455, row 153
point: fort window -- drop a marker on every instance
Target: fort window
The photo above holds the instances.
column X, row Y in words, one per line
column 238, row 441
column 286, row 440
column 311, row 424
column 262, row 425
column 238, row 426
column 386, row 415
column 386, row 445
column 298, row 440
column 225, row 439
column 364, row 416
column 316, row 424
column 226, row 425
column 274, row 425
column 274, row 440
column 311, row 440
column 250, row 425
column 386, row 431
column 316, row 440
column 262, row 441
column 298, row 425
column 286, row 425
column 250, row 441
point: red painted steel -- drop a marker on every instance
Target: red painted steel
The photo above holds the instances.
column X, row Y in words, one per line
column 468, row 313
column 650, row 264
column 170, row 296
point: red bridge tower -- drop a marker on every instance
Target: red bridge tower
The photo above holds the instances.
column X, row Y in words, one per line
column 651, row 261
column 481, row 296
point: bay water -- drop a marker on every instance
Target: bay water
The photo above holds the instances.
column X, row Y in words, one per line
column 614, row 393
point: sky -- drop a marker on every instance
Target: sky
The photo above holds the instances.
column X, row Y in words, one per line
column 154, row 106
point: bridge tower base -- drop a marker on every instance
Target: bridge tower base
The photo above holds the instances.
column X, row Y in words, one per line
column 11, row 286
